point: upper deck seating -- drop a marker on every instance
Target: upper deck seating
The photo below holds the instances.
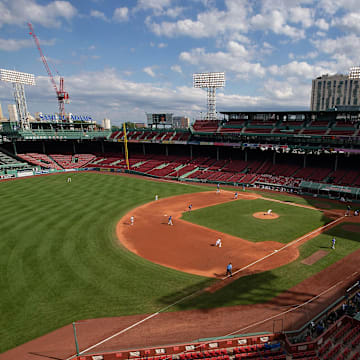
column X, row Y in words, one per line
column 206, row 125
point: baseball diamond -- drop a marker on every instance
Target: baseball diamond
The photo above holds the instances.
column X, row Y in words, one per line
column 67, row 252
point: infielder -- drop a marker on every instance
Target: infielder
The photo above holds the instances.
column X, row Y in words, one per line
column 190, row 207
column 170, row 220
column 132, row 220
column 229, row 269
column 236, row 196
column 218, row 243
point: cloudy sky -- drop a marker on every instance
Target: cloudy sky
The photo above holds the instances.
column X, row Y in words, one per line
column 122, row 58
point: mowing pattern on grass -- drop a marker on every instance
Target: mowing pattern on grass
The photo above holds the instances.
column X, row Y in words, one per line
column 264, row 286
column 60, row 260
column 236, row 218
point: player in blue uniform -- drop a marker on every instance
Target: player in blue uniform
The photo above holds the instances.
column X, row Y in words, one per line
column 170, row 220
column 229, row 269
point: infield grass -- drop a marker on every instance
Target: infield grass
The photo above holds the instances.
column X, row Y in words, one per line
column 236, row 218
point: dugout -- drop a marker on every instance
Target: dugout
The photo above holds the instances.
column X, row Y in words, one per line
column 331, row 191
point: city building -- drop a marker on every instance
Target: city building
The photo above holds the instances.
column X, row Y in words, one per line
column 181, row 122
column 2, row 117
column 331, row 91
column 13, row 114
column 106, row 124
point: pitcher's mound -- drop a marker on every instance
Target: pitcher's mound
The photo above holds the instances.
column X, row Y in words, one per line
column 265, row 216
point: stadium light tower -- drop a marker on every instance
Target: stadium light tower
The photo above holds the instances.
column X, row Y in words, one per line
column 211, row 81
column 354, row 72
column 19, row 79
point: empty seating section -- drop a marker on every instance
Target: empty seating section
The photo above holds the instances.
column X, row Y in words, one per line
column 258, row 130
column 168, row 136
column 72, row 161
column 7, row 161
column 291, row 127
column 184, row 170
column 232, row 126
column 315, row 131
column 325, row 127
column 235, row 166
column 41, row 160
column 313, row 174
column 345, row 177
column 206, row 125
column 201, row 168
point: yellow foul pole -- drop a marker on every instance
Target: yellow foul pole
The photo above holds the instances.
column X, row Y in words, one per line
column 126, row 148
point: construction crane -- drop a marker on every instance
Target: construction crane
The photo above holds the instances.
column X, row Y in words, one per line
column 61, row 94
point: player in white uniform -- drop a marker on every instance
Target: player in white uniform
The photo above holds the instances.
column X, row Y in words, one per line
column 218, row 243
column 132, row 220
column 269, row 212
column 170, row 220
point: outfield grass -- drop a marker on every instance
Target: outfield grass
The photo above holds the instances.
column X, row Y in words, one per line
column 264, row 286
column 235, row 218
column 60, row 260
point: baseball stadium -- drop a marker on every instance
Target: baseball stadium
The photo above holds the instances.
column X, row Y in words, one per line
column 91, row 269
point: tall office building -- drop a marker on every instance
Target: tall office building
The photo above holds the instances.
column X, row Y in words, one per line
column 181, row 122
column 330, row 91
column 13, row 114
column 2, row 115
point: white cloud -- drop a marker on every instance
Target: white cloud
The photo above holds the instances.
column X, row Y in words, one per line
column 17, row 12
column 236, row 60
column 17, row 44
column 322, row 24
column 176, row 68
column 275, row 21
column 174, row 12
column 290, row 92
column 121, row 14
column 99, row 15
column 207, row 24
column 332, row 6
column 350, row 21
column 162, row 45
column 156, row 5
column 301, row 15
column 340, row 49
column 300, row 69
column 149, row 70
